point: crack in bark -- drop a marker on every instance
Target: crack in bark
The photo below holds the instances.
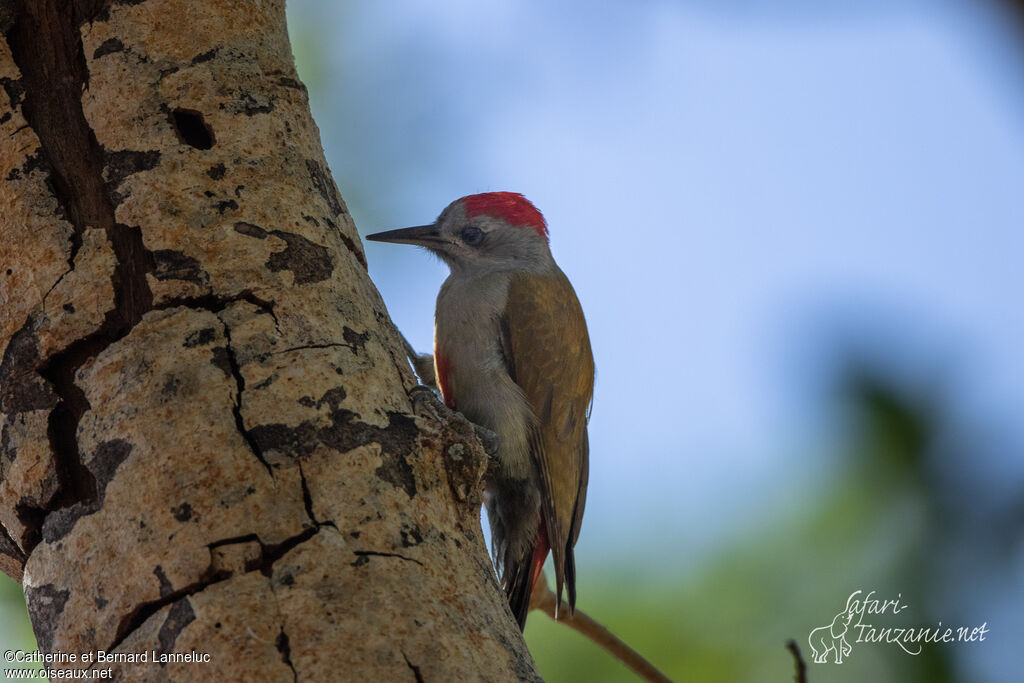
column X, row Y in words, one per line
column 412, row 667
column 76, row 483
column 11, row 549
column 284, row 647
column 234, row 540
column 236, row 407
column 269, row 554
column 307, row 499
column 374, row 553
column 45, row 40
column 282, row 643
column 267, row 307
column 71, row 267
column 273, row 553
column 32, row 518
column 215, row 303
column 10, row 546
column 138, row 616
column 329, row 345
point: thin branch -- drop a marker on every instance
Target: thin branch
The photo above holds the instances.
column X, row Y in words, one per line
column 544, row 600
column 801, row 665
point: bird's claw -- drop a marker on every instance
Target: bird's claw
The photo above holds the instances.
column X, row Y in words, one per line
column 426, row 402
column 488, row 439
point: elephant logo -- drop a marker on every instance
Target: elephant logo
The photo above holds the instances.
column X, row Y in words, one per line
column 832, row 638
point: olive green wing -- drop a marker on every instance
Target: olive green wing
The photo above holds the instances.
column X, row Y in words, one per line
column 547, row 349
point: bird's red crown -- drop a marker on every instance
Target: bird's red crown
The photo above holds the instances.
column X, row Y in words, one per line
column 511, row 207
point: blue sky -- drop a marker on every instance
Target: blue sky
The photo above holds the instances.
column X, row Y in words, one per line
column 730, row 191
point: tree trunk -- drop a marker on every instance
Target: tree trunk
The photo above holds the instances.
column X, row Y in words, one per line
column 207, row 438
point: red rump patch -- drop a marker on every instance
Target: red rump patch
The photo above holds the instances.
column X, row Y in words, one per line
column 443, row 370
column 511, row 207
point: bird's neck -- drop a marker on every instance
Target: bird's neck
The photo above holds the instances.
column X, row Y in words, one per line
column 537, row 264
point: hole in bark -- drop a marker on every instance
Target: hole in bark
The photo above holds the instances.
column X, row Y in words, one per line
column 192, row 129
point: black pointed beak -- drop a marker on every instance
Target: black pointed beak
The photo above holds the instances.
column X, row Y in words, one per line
column 421, row 235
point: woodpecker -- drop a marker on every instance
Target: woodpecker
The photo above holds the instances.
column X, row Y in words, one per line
column 512, row 354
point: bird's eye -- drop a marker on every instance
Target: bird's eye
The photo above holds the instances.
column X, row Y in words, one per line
column 472, row 235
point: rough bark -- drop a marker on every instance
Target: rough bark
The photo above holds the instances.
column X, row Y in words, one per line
column 207, row 438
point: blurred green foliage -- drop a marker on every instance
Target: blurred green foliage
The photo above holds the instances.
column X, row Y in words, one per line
column 15, row 629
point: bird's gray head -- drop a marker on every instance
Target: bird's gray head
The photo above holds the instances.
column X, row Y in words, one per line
column 483, row 232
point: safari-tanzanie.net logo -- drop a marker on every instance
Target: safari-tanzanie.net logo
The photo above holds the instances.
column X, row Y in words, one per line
column 867, row 619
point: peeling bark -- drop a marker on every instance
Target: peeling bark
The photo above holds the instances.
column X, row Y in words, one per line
column 206, row 436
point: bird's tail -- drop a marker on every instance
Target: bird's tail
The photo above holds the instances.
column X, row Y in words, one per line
column 522, row 575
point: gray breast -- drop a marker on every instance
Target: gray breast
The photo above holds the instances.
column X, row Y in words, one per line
column 467, row 333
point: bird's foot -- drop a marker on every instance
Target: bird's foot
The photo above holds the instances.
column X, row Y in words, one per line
column 488, row 439
column 425, row 401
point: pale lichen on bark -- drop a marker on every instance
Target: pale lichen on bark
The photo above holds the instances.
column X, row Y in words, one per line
column 207, row 439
